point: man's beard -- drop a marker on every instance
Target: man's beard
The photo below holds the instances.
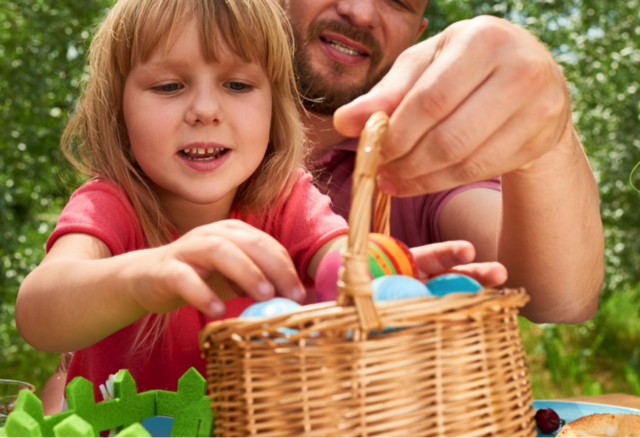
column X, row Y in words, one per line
column 318, row 93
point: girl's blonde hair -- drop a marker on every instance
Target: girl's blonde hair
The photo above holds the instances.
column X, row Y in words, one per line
column 96, row 139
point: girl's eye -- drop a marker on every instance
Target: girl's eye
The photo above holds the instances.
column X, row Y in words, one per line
column 238, row 86
column 168, row 88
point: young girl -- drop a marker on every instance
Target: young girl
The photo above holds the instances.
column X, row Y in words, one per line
column 189, row 130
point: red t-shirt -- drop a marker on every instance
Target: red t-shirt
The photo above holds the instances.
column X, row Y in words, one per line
column 100, row 208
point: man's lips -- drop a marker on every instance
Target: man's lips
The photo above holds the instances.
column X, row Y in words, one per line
column 344, row 44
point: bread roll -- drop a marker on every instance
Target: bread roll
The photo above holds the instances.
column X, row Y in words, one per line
column 618, row 425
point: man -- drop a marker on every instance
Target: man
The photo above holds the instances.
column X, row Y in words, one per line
column 480, row 100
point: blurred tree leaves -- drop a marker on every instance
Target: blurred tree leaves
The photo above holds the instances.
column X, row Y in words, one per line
column 597, row 42
column 42, row 48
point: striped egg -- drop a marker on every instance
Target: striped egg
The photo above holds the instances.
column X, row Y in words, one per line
column 387, row 256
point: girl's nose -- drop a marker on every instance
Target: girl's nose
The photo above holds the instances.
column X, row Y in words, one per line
column 361, row 13
column 204, row 108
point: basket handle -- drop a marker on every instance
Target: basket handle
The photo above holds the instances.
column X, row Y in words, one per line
column 354, row 283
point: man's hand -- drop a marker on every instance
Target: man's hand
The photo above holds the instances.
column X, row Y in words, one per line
column 481, row 99
column 457, row 256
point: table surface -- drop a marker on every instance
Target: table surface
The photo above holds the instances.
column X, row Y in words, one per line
column 623, row 400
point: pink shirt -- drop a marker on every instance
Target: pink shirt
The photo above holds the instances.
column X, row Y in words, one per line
column 100, row 208
column 414, row 220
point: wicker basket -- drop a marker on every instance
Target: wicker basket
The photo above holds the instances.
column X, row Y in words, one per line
column 453, row 366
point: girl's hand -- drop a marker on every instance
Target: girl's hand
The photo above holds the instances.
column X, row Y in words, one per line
column 176, row 274
column 456, row 256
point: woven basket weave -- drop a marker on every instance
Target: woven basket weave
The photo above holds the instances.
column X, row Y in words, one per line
column 453, row 366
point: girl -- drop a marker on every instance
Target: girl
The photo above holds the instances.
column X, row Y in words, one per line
column 189, row 130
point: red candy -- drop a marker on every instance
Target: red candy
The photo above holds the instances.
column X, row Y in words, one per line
column 548, row 420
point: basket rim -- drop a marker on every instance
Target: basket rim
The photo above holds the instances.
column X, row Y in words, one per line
column 319, row 316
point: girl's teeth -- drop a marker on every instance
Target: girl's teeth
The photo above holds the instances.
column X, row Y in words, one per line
column 193, row 154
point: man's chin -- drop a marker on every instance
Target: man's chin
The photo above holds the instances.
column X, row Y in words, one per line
column 329, row 103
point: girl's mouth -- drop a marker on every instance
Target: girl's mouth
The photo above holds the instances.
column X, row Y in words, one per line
column 202, row 154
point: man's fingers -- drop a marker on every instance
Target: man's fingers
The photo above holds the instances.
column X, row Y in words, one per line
column 439, row 257
column 489, row 274
column 448, row 83
column 461, row 133
column 519, row 141
column 387, row 94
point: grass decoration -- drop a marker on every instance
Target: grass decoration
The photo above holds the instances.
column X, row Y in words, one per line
column 189, row 407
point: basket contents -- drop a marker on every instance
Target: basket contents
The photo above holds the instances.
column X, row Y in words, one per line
column 397, row 287
column 386, row 256
column 189, row 408
column 616, row 425
column 449, row 283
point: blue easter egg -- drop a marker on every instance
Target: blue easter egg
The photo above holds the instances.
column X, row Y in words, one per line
column 398, row 287
column 448, row 283
column 273, row 307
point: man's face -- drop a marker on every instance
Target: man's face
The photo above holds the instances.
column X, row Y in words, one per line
column 344, row 47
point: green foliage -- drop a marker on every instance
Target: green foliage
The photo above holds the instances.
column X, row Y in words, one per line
column 597, row 42
column 42, row 48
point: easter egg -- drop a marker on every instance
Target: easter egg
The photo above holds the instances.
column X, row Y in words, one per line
column 398, row 287
column 387, row 256
column 273, row 307
column 327, row 275
column 448, row 283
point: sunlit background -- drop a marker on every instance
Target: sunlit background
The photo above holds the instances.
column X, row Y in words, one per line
column 597, row 42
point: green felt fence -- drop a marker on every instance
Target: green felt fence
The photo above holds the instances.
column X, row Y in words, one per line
column 189, row 407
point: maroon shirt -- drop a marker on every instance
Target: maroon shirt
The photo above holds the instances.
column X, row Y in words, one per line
column 414, row 220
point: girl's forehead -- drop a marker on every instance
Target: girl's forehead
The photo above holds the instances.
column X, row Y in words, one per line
column 187, row 38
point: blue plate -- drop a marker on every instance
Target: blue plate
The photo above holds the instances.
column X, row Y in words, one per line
column 158, row 426
column 569, row 411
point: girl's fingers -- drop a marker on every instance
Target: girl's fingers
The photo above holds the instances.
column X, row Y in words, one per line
column 268, row 255
column 187, row 284
column 438, row 257
column 213, row 253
